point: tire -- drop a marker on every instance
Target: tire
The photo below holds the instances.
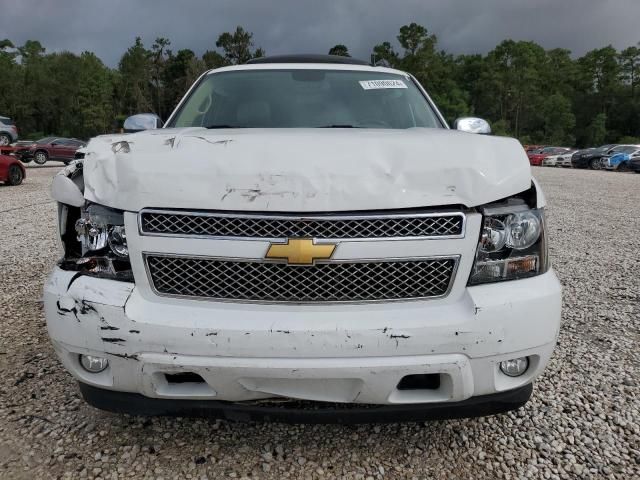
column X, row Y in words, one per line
column 4, row 139
column 40, row 157
column 26, row 160
column 15, row 176
column 623, row 167
column 595, row 164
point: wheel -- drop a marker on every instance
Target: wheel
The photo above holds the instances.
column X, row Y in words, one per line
column 25, row 160
column 15, row 176
column 623, row 167
column 4, row 139
column 595, row 164
column 40, row 157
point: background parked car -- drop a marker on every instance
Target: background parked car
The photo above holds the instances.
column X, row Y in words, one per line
column 591, row 158
column 619, row 160
column 50, row 148
column 12, row 171
column 8, row 131
column 634, row 164
column 537, row 156
column 531, row 148
column 558, row 160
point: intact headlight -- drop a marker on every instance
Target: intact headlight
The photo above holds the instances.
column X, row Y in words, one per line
column 512, row 244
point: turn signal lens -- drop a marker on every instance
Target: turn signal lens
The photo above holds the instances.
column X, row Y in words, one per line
column 522, row 266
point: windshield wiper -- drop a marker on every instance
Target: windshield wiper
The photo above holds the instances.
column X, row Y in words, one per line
column 223, row 126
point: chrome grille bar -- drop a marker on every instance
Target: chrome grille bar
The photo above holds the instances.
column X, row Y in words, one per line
column 414, row 225
column 335, row 281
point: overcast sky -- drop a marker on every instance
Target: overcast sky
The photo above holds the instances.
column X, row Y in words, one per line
column 108, row 27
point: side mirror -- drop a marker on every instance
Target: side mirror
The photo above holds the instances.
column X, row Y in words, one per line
column 472, row 125
column 142, row 121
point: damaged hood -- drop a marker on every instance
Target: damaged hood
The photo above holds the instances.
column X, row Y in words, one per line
column 302, row 170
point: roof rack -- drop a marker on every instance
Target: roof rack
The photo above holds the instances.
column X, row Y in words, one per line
column 313, row 58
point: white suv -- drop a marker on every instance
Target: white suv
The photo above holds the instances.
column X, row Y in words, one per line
column 8, row 131
column 305, row 239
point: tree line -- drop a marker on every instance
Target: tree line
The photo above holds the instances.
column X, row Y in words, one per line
column 525, row 91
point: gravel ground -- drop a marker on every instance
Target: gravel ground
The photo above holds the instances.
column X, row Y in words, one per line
column 582, row 422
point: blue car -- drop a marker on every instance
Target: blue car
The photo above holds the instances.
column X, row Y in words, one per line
column 619, row 159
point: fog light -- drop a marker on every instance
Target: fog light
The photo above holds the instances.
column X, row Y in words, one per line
column 514, row 367
column 93, row 364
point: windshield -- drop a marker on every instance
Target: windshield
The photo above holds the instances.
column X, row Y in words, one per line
column 305, row 99
column 629, row 149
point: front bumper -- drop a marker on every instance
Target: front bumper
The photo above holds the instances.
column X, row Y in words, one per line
column 581, row 162
column 24, row 154
column 333, row 353
column 298, row 412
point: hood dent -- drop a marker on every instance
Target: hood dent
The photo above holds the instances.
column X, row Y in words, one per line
column 303, row 170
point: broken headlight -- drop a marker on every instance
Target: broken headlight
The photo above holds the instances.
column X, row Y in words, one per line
column 102, row 249
column 512, row 244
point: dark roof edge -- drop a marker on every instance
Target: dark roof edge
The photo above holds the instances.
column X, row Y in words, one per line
column 311, row 58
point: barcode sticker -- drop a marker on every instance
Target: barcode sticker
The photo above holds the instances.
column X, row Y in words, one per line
column 376, row 84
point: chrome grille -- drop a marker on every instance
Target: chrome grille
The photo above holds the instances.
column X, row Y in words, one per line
column 219, row 279
column 343, row 227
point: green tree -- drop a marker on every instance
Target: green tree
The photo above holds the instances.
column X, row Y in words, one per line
column 385, row 52
column 558, row 120
column 600, row 74
column 135, row 80
column 237, row 46
column 213, row 59
column 414, row 38
column 158, row 59
column 95, row 90
column 340, row 50
column 597, row 131
column 512, row 83
column 630, row 68
column 9, row 77
column 181, row 71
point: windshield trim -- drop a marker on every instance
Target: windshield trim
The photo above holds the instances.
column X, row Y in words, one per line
column 307, row 66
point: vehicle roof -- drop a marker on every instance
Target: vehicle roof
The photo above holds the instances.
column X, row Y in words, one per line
column 308, row 58
column 306, row 66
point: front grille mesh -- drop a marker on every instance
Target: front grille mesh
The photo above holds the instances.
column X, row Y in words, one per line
column 276, row 282
column 266, row 227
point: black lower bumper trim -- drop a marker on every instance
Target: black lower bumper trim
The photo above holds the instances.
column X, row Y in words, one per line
column 135, row 404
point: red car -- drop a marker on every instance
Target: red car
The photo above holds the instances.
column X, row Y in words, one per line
column 531, row 148
column 537, row 156
column 12, row 172
column 50, row 148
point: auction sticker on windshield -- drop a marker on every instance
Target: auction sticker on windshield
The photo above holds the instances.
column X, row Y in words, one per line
column 375, row 84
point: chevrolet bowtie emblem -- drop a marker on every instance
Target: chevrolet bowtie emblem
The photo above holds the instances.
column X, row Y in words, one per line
column 300, row 251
